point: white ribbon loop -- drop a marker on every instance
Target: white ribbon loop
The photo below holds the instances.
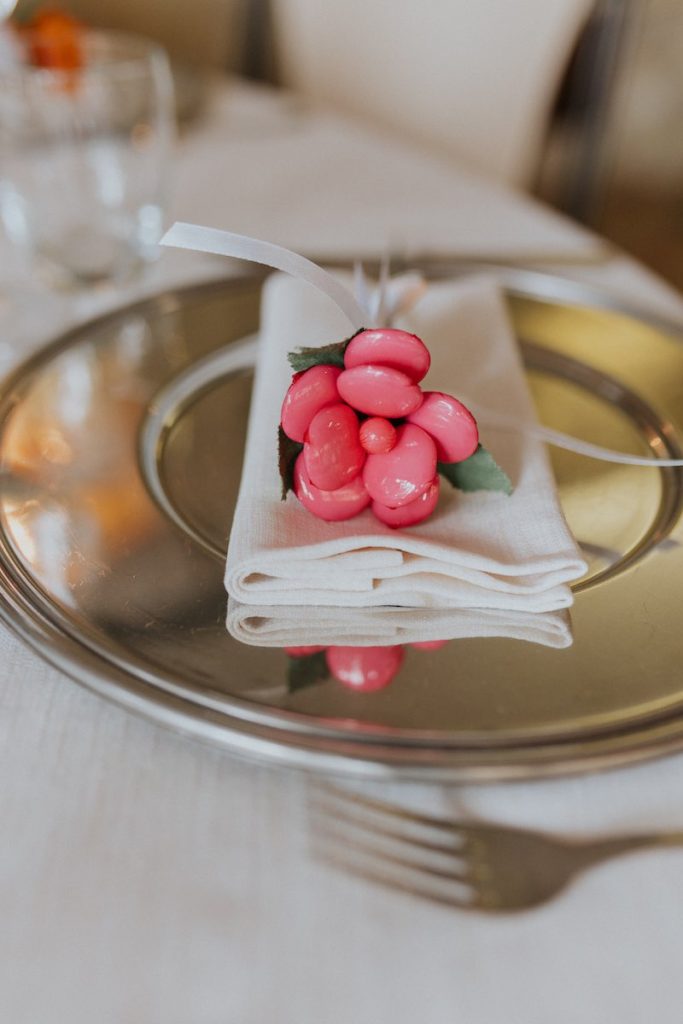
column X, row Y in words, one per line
column 571, row 444
column 391, row 297
column 241, row 247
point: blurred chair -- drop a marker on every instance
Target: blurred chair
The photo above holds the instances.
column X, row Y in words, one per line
column 580, row 144
column 475, row 80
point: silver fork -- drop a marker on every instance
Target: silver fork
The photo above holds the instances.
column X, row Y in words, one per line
column 468, row 866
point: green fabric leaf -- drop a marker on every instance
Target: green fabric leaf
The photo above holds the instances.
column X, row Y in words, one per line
column 306, row 671
column 288, row 452
column 480, row 472
column 323, row 355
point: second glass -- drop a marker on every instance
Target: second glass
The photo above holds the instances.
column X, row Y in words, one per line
column 84, row 156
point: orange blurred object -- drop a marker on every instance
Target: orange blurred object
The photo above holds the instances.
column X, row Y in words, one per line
column 55, row 40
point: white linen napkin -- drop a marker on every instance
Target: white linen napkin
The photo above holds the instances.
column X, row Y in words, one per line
column 293, row 626
column 480, row 550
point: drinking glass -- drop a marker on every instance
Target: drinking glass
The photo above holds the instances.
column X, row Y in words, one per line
column 84, row 156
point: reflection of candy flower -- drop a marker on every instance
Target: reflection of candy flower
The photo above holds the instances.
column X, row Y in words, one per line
column 362, row 668
column 370, row 435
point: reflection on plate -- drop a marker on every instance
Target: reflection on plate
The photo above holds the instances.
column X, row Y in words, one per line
column 121, row 448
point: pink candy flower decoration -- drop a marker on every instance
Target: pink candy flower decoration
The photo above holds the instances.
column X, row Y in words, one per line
column 357, row 431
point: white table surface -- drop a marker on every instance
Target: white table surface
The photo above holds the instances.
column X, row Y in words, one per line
column 148, row 879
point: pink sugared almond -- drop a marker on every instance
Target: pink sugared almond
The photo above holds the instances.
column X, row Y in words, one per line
column 450, row 423
column 411, row 514
column 386, row 346
column 404, row 473
column 333, row 506
column 308, row 393
column 364, row 668
column 379, row 391
column 332, row 450
column 377, row 435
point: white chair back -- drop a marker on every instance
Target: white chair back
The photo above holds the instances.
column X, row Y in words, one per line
column 473, row 78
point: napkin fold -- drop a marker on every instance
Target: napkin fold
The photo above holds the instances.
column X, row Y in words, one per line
column 294, row 626
column 479, row 550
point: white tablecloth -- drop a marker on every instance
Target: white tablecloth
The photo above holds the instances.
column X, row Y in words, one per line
column 147, row 879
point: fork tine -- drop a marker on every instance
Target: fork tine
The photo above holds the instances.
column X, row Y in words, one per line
column 365, row 825
column 420, row 892
column 385, row 856
column 392, row 810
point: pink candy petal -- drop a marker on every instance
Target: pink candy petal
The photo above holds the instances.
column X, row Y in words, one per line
column 379, row 391
column 450, row 423
column 333, row 506
column 409, row 515
column 364, row 668
column 308, row 393
column 332, row 450
column 388, row 347
column 404, row 473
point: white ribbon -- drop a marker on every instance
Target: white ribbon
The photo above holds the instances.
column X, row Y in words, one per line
column 241, row 247
column 376, row 306
column 559, row 440
column 390, row 297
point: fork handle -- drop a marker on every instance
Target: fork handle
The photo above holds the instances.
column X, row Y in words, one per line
column 602, row 849
column 669, row 838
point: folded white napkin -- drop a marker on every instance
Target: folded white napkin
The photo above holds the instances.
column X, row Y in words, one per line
column 293, row 626
column 479, row 550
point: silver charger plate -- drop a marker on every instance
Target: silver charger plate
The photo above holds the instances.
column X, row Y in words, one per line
column 121, row 447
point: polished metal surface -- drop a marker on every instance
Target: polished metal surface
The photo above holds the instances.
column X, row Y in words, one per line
column 121, row 448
